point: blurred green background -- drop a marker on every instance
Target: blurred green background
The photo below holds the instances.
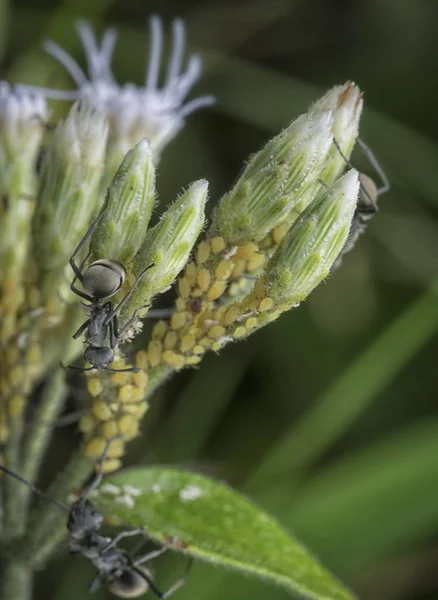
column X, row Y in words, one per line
column 328, row 418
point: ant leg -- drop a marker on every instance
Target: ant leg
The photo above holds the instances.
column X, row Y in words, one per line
column 151, row 555
column 120, row 536
column 81, row 330
column 159, row 313
column 128, row 323
column 90, row 230
column 113, row 331
column 176, row 586
column 75, row 278
column 376, row 166
column 99, row 475
column 128, row 295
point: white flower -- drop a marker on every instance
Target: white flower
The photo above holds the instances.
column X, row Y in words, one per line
column 157, row 113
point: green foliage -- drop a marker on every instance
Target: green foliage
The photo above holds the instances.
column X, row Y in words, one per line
column 214, row 523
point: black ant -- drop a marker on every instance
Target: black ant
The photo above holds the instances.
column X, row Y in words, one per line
column 125, row 576
column 366, row 206
column 102, row 279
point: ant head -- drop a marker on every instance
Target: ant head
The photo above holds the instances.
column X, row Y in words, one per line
column 99, row 358
column 83, row 519
column 130, row 583
column 103, row 278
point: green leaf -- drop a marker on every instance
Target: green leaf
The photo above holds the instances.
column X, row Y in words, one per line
column 216, row 524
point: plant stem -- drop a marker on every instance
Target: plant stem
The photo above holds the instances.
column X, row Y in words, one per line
column 48, row 524
column 42, row 428
column 16, row 582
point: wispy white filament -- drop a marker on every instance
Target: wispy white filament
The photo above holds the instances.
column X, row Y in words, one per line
column 155, row 112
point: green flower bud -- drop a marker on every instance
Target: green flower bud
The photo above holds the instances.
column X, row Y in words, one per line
column 275, row 179
column 22, row 119
column 69, row 188
column 121, row 230
column 168, row 245
column 346, row 103
column 311, row 246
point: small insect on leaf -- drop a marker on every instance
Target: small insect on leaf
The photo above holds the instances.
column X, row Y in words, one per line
column 210, row 521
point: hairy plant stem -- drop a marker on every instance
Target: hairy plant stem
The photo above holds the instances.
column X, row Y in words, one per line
column 13, row 490
column 16, row 582
column 48, row 523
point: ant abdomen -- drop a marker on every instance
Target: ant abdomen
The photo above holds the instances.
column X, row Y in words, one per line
column 103, row 278
column 130, row 583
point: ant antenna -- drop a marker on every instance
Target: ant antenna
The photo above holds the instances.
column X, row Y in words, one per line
column 376, row 166
column 99, row 475
column 374, row 163
column 34, row 488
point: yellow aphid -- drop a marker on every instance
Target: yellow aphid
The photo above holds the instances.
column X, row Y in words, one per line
column 193, row 360
column 138, row 409
column 247, row 251
column 16, row 406
column 266, row 304
column 279, row 232
column 159, row 331
column 239, row 267
column 203, row 252
column 101, row 410
column 116, row 449
column 219, row 313
column 255, row 262
column 216, row 346
column 184, row 287
column 178, row 361
column 155, row 349
column 95, row 386
column 140, row 379
column 87, row 424
column 251, row 323
column 170, row 340
column 198, row 350
column 142, row 359
column 120, row 378
column 204, row 279
column 12, row 355
column 95, row 447
column 127, row 423
column 109, row 429
column 217, row 244
column 187, row 343
column 224, row 269
column 231, row 315
column 178, row 320
column 167, row 356
column 240, row 332
column 191, row 273
column 111, row 465
column 180, row 304
column 260, row 288
column 216, row 332
column 216, row 290
column 206, row 342
column 126, row 393
column 33, row 355
column 16, row 375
